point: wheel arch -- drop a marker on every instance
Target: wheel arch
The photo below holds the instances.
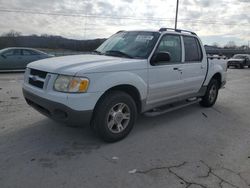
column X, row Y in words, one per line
column 217, row 76
column 126, row 88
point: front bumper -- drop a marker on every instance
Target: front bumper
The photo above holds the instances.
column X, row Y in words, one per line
column 57, row 111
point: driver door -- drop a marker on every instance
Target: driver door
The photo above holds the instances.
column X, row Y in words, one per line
column 164, row 78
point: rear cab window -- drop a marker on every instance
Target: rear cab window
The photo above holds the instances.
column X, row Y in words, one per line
column 192, row 48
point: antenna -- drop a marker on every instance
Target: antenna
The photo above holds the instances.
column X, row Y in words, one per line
column 176, row 15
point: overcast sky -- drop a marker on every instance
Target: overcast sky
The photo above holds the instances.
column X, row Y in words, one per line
column 217, row 21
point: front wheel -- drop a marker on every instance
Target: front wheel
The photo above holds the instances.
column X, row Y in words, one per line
column 211, row 94
column 114, row 116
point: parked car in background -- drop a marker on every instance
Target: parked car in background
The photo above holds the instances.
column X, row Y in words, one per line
column 239, row 61
column 18, row 58
column 216, row 56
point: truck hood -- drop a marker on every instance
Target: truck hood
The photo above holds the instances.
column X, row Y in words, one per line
column 71, row 65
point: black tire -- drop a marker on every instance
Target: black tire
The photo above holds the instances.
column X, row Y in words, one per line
column 210, row 97
column 248, row 66
column 102, row 116
column 241, row 66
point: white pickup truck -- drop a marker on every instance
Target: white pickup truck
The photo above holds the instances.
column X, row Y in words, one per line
column 149, row 72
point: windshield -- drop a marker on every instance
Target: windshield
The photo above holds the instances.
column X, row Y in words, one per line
column 239, row 57
column 132, row 44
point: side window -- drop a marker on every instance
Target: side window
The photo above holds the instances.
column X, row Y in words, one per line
column 29, row 52
column 8, row 53
column 172, row 45
column 192, row 49
column 32, row 52
column 26, row 52
column 12, row 52
column 17, row 52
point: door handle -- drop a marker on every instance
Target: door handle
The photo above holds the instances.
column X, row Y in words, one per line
column 176, row 68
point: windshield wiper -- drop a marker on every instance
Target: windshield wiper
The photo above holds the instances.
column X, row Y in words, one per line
column 117, row 53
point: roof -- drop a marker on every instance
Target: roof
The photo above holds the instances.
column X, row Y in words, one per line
column 165, row 30
column 177, row 30
column 21, row 48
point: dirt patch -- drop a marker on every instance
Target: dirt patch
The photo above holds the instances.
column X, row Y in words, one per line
column 77, row 148
column 47, row 163
column 85, row 147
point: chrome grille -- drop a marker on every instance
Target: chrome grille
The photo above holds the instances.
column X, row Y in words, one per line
column 37, row 78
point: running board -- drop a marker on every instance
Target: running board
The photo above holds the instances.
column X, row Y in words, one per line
column 171, row 107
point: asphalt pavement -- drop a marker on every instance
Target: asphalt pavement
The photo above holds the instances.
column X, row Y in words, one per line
column 191, row 147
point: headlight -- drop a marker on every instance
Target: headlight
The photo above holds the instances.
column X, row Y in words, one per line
column 71, row 84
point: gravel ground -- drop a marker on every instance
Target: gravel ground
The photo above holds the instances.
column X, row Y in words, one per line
column 192, row 147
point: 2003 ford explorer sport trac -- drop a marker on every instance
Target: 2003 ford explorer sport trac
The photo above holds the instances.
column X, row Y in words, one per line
column 132, row 72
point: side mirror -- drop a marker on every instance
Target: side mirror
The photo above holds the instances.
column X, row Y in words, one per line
column 160, row 57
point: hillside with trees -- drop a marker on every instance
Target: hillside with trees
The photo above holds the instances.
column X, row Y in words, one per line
column 16, row 39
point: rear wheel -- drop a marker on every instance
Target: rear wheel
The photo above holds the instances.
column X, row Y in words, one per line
column 114, row 116
column 241, row 66
column 211, row 94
